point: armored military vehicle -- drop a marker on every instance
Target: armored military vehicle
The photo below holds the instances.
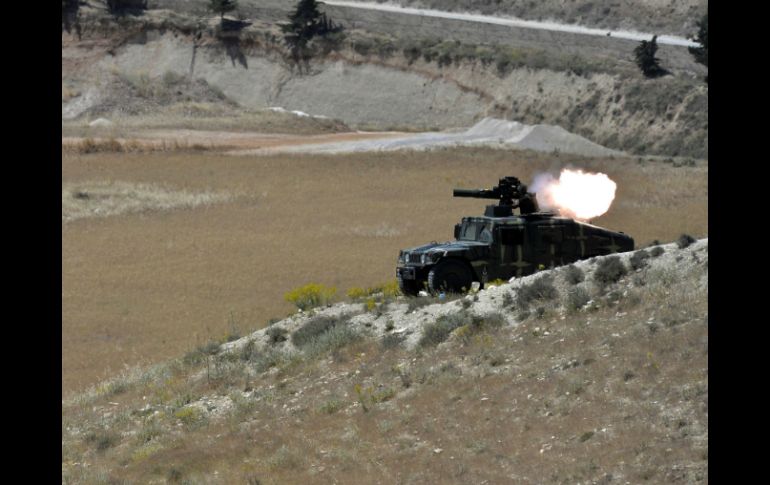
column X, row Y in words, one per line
column 502, row 245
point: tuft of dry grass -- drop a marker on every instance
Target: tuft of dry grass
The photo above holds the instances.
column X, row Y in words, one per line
column 103, row 199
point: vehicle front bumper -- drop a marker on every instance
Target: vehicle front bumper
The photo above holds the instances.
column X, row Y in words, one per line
column 406, row 272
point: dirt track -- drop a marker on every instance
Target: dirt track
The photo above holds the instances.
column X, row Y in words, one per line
column 487, row 132
column 223, row 139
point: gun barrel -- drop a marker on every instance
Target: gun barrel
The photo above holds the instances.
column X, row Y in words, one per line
column 476, row 193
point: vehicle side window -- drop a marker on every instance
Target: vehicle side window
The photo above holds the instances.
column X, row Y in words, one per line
column 486, row 234
column 511, row 235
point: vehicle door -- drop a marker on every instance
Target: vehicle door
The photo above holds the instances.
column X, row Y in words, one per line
column 512, row 252
column 573, row 245
column 547, row 241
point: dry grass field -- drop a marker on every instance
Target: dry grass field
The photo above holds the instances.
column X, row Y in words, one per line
column 144, row 286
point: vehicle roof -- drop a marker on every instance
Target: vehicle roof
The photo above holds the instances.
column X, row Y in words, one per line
column 534, row 217
column 518, row 219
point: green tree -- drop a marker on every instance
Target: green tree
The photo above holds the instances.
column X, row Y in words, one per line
column 646, row 60
column 120, row 6
column 69, row 15
column 305, row 23
column 222, row 6
column 701, row 54
column 68, row 6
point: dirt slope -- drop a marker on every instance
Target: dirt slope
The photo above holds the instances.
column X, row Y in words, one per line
column 594, row 381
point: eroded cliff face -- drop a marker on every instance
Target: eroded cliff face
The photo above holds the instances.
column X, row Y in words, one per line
column 664, row 116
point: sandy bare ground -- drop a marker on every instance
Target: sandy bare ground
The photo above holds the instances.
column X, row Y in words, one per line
column 487, row 132
column 141, row 287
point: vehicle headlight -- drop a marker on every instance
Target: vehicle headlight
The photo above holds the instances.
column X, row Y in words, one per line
column 403, row 257
column 430, row 257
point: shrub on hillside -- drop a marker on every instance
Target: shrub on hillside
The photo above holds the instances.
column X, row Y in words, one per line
column 684, row 241
column 248, row 351
column 313, row 328
column 102, row 439
column 609, row 270
column 573, row 275
column 577, row 298
column 639, row 259
column 388, row 291
column 310, row 296
column 392, row 340
column 277, row 335
column 541, row 289
column 266, row 360
column 656, row 251
column 438, row 331
column 324, row 334
column 412, row 53
column 488, row 321
column 336, row 338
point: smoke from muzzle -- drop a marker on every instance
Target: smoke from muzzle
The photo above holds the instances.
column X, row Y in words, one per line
column 576, row 194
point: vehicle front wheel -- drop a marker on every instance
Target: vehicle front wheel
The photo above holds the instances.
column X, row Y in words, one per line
column 450, row 276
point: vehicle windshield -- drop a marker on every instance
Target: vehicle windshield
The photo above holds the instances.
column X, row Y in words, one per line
column 469, row 231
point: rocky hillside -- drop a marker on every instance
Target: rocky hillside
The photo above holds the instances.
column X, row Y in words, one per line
column 386, row 81
column 591, row 373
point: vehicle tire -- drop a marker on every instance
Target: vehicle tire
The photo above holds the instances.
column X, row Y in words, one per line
column 409, row 287
column 451, row 276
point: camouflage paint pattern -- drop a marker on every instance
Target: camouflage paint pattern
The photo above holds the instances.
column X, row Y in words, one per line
column 513, row 246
